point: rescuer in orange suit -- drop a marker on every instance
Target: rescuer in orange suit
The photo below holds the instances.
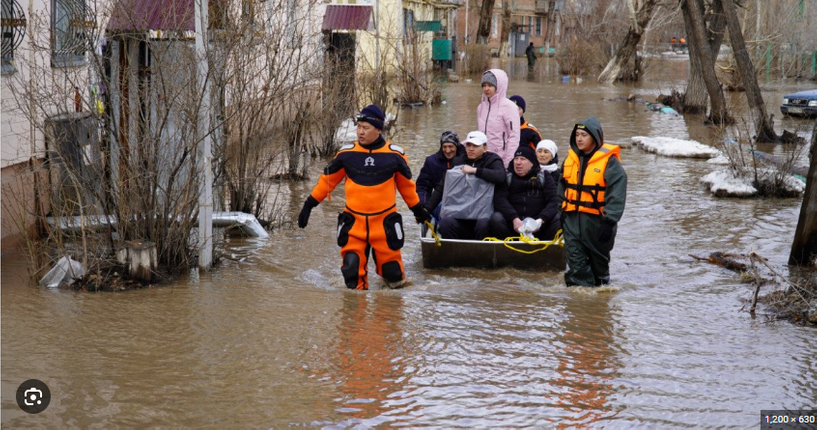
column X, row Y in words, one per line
column 373, row 169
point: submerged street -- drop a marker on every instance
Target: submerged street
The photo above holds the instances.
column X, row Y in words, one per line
column 272, row 338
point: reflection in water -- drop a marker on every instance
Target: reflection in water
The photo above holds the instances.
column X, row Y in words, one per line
column 367, row 359
column 587, row 363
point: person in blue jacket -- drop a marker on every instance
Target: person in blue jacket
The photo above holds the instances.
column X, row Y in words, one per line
column 433, row 171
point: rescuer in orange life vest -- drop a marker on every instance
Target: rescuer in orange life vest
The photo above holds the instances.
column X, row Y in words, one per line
column 593, row 188
column 373, row 169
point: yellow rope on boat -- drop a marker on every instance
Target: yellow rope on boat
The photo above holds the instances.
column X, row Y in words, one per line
column 557, row 240
column 433, row 233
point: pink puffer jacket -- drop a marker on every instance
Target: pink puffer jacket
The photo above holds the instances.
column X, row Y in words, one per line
column 498, row 118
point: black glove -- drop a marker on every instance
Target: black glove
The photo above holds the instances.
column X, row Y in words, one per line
column 606, row 230
column 421, row 214
column 303, row 217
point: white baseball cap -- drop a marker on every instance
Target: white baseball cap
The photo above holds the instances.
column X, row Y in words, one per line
column 476, row 138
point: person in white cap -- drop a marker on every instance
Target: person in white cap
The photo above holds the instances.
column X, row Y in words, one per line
column 548, row 158
column 485, row 165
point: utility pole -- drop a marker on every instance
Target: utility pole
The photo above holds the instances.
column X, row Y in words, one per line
column 205, row 153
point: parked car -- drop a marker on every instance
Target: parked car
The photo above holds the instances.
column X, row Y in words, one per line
column 801, row 104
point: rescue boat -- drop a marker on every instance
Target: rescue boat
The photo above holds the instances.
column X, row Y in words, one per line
column 439, row 253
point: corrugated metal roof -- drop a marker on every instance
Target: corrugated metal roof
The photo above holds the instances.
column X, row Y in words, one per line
column 143, row 15
column 347, row 17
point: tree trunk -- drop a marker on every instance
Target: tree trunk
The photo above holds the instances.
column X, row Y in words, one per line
column 550, row 21
column 804, row 248
column 763, row 126
column 485, row 15
column 615, row 69
column 506, row 29
column 696, row 97
column 694, row 12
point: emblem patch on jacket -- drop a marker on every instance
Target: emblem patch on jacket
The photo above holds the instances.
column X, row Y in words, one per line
column 369, row 162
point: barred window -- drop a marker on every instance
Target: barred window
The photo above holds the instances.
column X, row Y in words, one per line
column 14, row 24
column 72, row 23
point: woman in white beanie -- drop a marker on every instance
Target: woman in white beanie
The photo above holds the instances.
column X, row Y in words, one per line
column 546, row 154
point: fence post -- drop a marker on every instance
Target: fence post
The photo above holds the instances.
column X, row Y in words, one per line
column 813, row 63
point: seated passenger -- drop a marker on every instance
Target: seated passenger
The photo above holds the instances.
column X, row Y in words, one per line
column 528, row 134
column 485, row 165
column 530, row 192
column 433, row 170
column 546, row 154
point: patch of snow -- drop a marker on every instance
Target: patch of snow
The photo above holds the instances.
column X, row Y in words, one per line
column 347, row 132
column 721, row 159
column 675, row 147
column 723, row 183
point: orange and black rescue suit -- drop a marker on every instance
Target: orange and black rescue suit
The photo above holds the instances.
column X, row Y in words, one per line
column 370, row 221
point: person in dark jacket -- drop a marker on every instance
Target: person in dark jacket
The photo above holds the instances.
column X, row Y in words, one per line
column 433, row 170
column 530, row 53
column 593, row 189
column 529, row 193
column 528, row 134
column 485, row 165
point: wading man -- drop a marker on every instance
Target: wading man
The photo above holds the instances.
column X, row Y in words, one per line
column 374, row 170
column 593, row 190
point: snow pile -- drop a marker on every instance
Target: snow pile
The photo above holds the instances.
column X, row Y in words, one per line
column 675, row 147
column 725, row 183
column 347, row 132
column 721, row 159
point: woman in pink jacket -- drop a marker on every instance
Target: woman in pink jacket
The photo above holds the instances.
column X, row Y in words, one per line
column 497, row 116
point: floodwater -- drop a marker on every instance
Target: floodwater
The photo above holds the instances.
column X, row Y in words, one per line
column 272, row 338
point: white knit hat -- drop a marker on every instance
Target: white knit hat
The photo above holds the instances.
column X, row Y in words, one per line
column 549, row 145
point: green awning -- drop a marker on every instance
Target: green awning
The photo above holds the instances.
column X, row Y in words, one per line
column 433, row 26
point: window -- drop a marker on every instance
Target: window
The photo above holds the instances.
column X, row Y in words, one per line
column 14, row 24
column 529, row 27
column 538, row 25
column 71, row 25
column 408, row 25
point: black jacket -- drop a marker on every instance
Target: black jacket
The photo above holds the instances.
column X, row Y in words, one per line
column 532, row 195
column 489, row 167
column 433, row 172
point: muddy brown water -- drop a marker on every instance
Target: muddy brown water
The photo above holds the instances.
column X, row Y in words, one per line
column 273, row 339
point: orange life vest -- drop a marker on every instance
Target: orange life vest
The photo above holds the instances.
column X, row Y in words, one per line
column 587, row 195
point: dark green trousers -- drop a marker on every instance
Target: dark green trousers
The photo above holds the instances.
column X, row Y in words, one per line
column 588, row 260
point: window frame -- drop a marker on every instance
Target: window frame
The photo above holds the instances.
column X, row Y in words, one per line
column 66, row 59
column 538, row 25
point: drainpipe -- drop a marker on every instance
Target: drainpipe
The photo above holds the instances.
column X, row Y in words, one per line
column 205, row 153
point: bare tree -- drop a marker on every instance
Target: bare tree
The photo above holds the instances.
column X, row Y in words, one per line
column 694, row 13
column 763, row 125
column 696, row 97
column 804, row 247
column 506, row 29
column 550, row 22
column 138, row 179
column 486, row 13
column 640, row 13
